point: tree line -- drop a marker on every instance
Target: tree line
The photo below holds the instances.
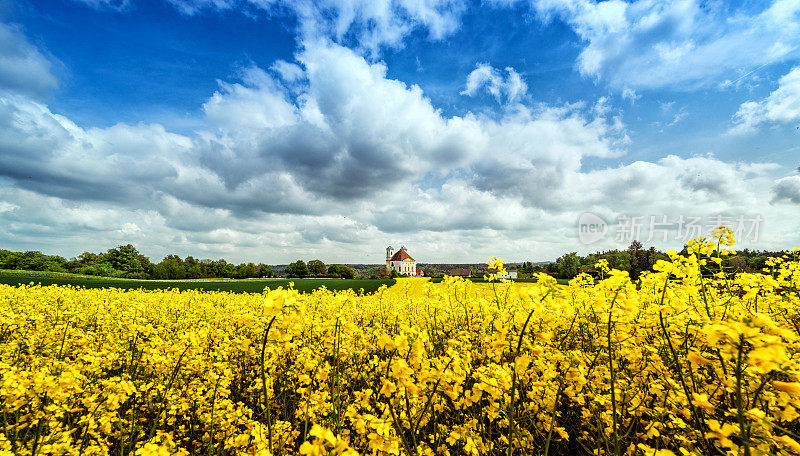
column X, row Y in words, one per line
column 636, row 259
column 126, row 261
column 316, row 268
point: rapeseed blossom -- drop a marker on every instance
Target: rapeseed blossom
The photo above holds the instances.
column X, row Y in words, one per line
column 671, row 364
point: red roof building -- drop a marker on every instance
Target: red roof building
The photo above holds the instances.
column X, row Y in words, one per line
column 401, row 262
column 460, row 272
column 401, row 255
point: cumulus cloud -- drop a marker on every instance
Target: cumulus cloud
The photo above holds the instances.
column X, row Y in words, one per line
column 510, row 88
column 647, row 44
column 288, row 72
column 49, row 154
column 781, row 106
column 327, row 156
column 376, row 23
column 23, row 68
column 787, row 189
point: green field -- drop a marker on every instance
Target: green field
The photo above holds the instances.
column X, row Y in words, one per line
column 9, row 277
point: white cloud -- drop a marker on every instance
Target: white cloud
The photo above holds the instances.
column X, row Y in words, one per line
column 288, row 72
column 678, row 117
column 781, row 106
column 648, row 44
column 194, row 6
column 630, row 95
column 508, row 89
column 23, row 69
column 337, row 159
column 371, row 24
column 376, row 23
column 787, row 189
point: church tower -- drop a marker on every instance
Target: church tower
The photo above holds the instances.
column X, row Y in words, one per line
column 401, row 262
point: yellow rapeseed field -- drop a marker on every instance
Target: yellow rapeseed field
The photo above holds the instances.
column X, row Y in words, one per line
column 677, row 363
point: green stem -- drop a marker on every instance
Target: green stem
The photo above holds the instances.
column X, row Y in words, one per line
column 613, row 376
column 553, row 418
column 510, row 449
column 166, row 392
column 264, row 384
column 739, row 403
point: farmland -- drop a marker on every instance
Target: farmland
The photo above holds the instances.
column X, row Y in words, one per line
column 678, row 363
column 9, row 277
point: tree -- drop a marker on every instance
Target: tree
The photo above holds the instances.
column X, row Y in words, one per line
column 567, row 265
column 339, row 270
column 89, row 258
column 125, row 258
column 265, row 270
column 245, row 271
column 171, row 267
column 758, row 262
column 297, row 269
column 316, row 267
column 738, row 264
column 32, row 261
column 526, row 268
column 192, row 268
column 638, row 259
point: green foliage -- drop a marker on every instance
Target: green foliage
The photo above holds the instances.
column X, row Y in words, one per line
column 616, row 260
column 526, row 268
column 99, row 269
column 236, row 286
column 125, row 258
column 297, row 269
column 171, row 267
column 247, row 271
column 32, row 261
column 338, row 270
column 757, row 263
column 567, row 265
column 316, row 268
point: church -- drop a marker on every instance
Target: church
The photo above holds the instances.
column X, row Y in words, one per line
column 401, row 262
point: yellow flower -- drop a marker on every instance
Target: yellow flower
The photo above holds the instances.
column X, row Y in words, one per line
column 792, row 388
column 697, row 359
column 701, row 400
column 495, row 263
column 767, row 358
column 721, row 432
column 789, row 442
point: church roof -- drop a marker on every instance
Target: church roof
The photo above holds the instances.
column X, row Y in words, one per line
column 401, row 255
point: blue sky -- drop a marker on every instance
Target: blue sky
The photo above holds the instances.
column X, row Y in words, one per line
column 272, row 130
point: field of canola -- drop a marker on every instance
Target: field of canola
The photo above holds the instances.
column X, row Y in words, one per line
column 680, row 363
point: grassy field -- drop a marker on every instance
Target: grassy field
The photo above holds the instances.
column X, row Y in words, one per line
column 10, row 277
